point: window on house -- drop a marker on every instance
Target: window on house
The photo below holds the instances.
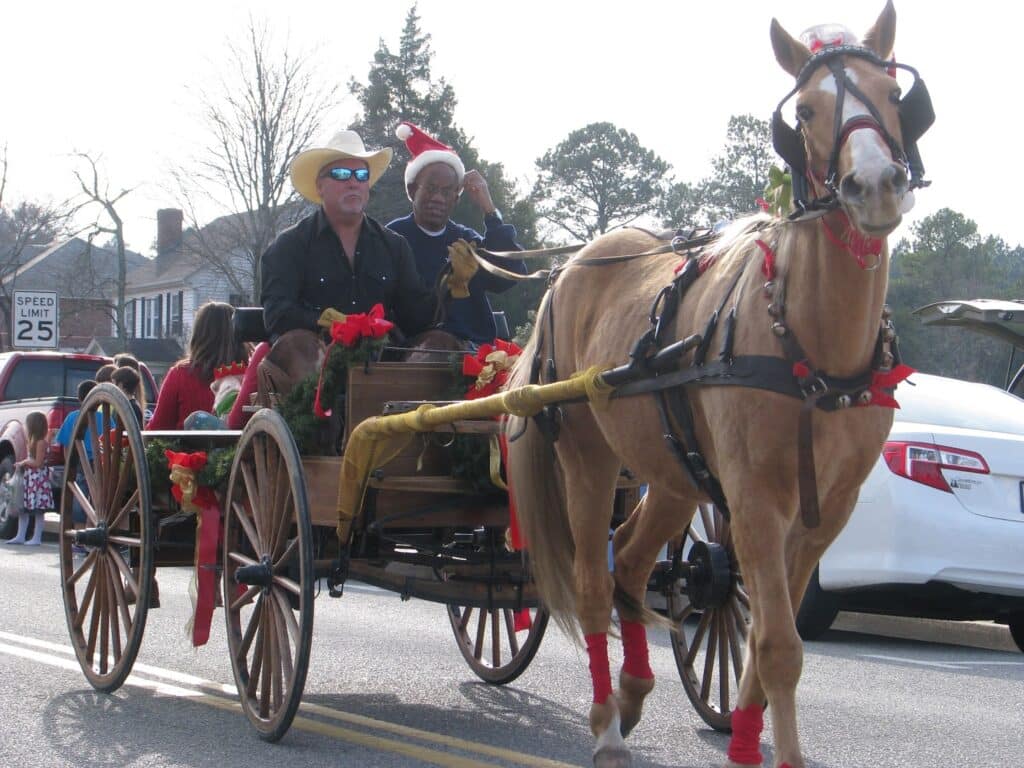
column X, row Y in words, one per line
column 154, row 317
column 176, row 300
column 129, row 319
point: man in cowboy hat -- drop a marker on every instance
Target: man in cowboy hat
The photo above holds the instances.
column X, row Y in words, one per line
column 434, row 179
column 338, row 256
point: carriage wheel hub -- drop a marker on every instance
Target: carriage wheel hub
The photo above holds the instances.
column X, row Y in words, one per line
column 709, row 576
column 91, row 537
column 259, row 574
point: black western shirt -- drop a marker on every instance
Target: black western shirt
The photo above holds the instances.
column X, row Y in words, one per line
column 305, row 271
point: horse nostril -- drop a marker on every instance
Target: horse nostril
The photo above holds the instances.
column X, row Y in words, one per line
column 850, row 189
column 895, row 177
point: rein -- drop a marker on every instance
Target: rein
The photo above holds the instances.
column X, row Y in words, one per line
column 677, row 244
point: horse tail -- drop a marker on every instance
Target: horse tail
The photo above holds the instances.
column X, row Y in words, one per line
column 538, row 492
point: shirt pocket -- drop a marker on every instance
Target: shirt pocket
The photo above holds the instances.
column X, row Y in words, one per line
column 378, row 288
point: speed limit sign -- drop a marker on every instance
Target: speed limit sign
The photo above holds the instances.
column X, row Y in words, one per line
column 35, row 319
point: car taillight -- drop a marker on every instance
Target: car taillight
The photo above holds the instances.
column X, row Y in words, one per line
column 54, row 420
column 924, row 462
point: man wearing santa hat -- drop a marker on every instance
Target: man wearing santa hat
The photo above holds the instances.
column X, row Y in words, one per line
column 434, row 179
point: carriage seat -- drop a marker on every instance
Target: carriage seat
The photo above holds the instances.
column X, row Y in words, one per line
column 247, row 325
column 501, row 326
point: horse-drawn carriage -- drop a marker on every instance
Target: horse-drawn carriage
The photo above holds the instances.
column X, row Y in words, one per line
column 769, row 361
column 420, row 532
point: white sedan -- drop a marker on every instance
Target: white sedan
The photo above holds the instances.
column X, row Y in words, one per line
column 938, row 530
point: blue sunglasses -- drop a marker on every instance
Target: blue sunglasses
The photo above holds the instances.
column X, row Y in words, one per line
column 344, row 174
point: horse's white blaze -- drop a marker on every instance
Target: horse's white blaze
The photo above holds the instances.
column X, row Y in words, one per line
column 869, row 154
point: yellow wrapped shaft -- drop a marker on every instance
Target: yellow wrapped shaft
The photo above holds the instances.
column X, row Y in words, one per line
column 377, row 440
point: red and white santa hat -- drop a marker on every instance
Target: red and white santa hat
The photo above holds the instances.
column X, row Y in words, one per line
column 425, row 150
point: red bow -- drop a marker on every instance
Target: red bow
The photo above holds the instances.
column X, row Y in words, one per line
column 348, row 332
column 884, row 380
column 371, row 325
column 194, row 461
column 490, row 374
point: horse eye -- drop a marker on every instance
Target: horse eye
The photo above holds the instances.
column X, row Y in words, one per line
column 894, row 95
column 804, row 113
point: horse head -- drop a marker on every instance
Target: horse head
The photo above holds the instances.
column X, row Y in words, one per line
column 855, row 145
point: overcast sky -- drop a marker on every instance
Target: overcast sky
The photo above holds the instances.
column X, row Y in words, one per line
column 119, row 79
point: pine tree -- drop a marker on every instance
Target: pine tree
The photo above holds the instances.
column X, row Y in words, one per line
column 400, row 86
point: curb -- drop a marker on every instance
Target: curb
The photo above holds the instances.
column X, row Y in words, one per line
column 974, row 634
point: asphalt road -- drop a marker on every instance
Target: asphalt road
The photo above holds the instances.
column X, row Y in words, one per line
column 387, row 687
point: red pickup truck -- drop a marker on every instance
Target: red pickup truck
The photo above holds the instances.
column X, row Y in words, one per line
column 47, row 382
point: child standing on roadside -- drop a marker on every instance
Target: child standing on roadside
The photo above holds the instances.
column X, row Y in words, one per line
column 38, row 494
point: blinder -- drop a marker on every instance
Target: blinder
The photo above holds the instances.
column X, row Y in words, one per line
column 915, row 111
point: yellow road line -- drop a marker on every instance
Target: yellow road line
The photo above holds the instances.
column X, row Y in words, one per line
column 212, row 694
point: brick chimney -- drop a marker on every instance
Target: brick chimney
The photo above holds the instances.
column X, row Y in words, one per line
column 168, row 229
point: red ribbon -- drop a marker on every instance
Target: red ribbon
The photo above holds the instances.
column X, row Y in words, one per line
column 768, row 265
column 884, row 380
column 208, row 537
column 855, row 242
column 348, row 332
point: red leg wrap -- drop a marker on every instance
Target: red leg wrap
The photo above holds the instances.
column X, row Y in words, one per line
column 600, row 672
column 635, row 661
column 745, row 744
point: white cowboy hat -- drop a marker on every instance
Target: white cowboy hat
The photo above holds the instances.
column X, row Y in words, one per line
column 343, row 145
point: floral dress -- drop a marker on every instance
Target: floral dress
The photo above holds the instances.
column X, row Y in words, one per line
column 38, row 493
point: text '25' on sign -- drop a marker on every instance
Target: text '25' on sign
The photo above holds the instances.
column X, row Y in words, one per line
column 34, row 320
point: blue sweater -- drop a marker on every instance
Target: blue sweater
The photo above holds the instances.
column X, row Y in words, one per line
column 470, row 318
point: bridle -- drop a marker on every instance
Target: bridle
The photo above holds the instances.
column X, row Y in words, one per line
column 915, row 112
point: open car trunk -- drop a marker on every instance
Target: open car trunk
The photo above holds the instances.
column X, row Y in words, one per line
column 1003, row 320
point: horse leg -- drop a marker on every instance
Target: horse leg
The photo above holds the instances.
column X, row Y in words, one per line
column 590, row 489
column 748, row 716
column 637, row 543
column 775, row 649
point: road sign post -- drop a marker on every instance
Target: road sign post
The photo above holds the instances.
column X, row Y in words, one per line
column 34, row 320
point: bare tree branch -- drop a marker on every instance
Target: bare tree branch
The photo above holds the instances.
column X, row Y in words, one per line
column 96, row 193
column 259, row 116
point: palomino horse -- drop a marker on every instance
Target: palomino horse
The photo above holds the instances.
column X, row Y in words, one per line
column 819, row 330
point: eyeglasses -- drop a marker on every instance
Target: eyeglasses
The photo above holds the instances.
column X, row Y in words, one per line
column 344, row 174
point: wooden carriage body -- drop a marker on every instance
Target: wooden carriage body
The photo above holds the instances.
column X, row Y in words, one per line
column 419, row 532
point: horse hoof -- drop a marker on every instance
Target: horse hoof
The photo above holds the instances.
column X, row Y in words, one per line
column 613, row 757
column 630, row 698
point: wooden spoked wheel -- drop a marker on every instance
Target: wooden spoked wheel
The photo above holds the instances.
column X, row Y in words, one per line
column 106, row 566
column 490, row 642
column 711, row 613
column 268, row 574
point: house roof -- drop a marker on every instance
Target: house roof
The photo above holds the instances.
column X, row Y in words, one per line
column 74, row 268
column 222, row 236
column 147, row 350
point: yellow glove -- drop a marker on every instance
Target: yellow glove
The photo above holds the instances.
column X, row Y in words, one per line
column 330, row 316
column 464, row 266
